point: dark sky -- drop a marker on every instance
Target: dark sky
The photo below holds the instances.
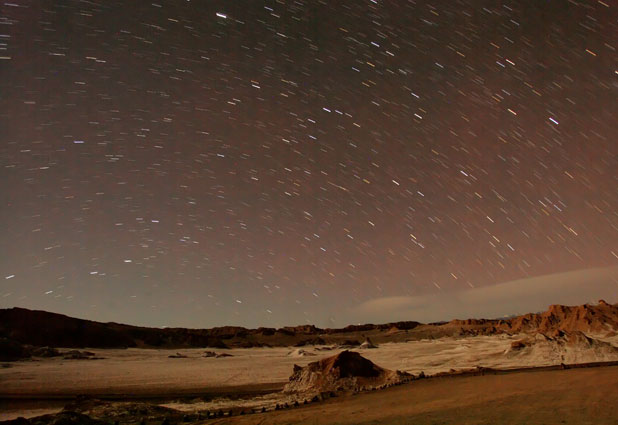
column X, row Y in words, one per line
column 200, row 163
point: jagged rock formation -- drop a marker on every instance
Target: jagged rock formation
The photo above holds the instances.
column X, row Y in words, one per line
column 346, row 371
column 39, row 328
column 591, row 319
column 587, row 318
column 563, row 347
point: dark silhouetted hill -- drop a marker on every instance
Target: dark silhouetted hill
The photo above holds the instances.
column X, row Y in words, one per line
column 41, row 329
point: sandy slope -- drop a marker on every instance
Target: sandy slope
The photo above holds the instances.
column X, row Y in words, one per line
column 576, row 396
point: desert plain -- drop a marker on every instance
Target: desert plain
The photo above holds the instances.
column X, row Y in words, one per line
column 560, row 366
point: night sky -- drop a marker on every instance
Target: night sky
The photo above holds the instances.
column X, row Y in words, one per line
column 260, row 162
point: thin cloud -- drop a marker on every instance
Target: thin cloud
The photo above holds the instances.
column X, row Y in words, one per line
column 513, row 297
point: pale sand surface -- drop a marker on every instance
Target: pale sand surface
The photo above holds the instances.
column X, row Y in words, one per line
column 573, row 396
column 151, row 372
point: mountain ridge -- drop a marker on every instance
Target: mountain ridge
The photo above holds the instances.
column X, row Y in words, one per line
column 41, row 328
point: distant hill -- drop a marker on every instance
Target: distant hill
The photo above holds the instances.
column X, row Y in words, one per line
column 587, row 318
column 601, row 318
column 41, row 328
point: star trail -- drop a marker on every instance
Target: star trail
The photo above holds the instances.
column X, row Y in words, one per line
column 201, row 163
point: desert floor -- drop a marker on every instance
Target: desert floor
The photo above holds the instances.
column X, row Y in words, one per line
column 574, row 396
column 146, row 372
column 43, row 385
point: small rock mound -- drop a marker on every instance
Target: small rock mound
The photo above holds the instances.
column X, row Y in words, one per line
column 45, row 352
column 299, row 352
column 368, row 344
column 311, row 341
column 349, row 343
column 13, row 350
column 326, row 348
column 78, row 355
column 216, row 355
column 347, row 371
column 124, row 412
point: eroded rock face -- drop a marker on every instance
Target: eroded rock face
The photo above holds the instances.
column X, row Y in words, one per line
column 599, row 319
column 563, row 346
column 347, row 371
column 587, row 318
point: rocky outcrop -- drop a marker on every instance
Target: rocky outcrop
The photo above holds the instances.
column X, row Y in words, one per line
column 600, row 318
column 563, row 347
column 346, row 371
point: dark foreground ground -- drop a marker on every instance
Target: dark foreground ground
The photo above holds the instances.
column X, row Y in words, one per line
column 573, row 396
column 587, row 394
